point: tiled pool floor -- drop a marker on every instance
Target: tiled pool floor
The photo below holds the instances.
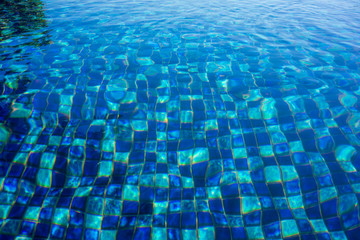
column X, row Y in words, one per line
column 179, row 120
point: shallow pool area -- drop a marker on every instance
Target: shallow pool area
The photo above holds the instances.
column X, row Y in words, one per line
column 146, row 119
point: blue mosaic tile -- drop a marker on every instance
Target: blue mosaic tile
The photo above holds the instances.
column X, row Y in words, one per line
column 179, row 120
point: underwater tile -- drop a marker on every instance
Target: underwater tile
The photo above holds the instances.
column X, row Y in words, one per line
column 187, row 182
column 344, row 152
column 200, row 155
column 266, row 151
column 346, row 203
column 105, row 169
column 327, row 193
column 289, row 228
column 43, row 178
column 318, row 225
column 254, row 232
column 91, row 234
column 288, row 173
column 185, row 156
column 139, row 125
column 158, row 233
column 161, row 180
column 82, row 191
column 145, row 61
column 131, row 193
column 108, row 234
column 206, row 233
column 5, row 211
column 61, row 216
column 239, row 152
column 112, row 207
column 124, row 135
column 32, row 213
column 255, row 163
column 295, row 202
column 244, row 176
column 95, row 205
column 338, row 235
column 160, row 207
column 272, row 174
column 249, row 204
column 93, row 221
column 214, row 192
column 10, row 226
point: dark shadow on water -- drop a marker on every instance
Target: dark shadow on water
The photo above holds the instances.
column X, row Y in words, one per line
column 18, row 18
column 23, row 31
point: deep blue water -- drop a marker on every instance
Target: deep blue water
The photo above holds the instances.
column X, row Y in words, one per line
column 178, row 119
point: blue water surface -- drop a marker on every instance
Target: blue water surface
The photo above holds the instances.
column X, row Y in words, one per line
column 182, row 119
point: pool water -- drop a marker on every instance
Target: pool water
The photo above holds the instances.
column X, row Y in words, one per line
column 181, row 119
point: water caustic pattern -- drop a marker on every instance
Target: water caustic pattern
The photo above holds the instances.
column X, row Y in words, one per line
column 179, row 119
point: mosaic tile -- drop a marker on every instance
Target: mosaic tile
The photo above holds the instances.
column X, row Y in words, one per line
column 130, row 120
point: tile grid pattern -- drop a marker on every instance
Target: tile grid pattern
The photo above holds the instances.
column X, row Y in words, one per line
column 188, row 138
